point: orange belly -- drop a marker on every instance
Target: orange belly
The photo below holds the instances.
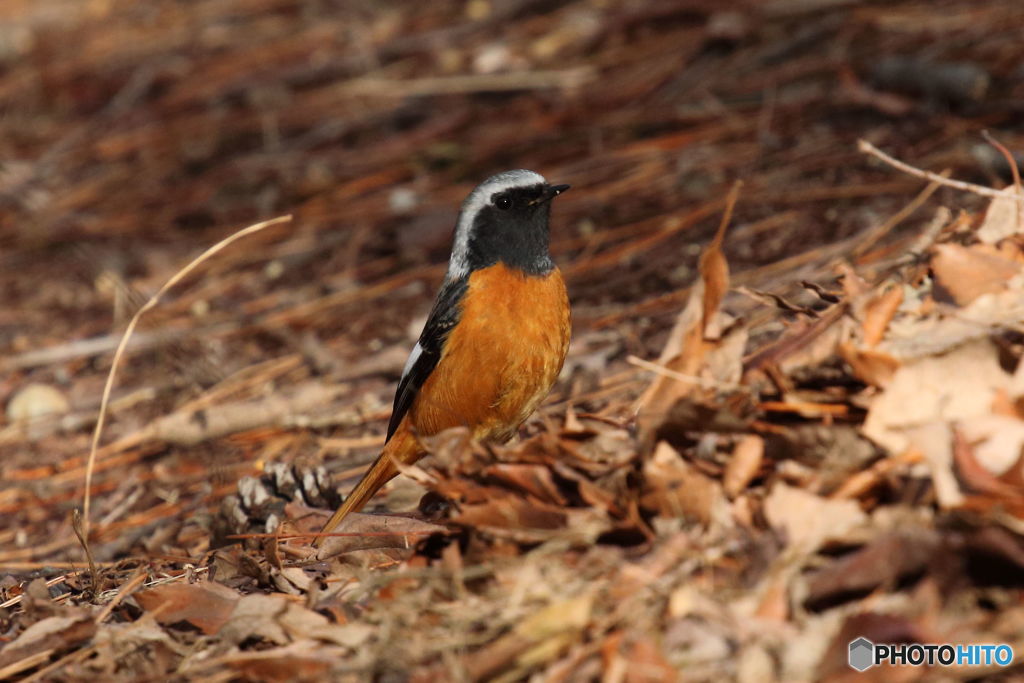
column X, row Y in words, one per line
column 501, row 359
column 498, row 364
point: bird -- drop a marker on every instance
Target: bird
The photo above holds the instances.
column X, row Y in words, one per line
column 495, row 339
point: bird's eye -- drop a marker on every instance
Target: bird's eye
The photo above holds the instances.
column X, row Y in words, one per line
column 503, row 202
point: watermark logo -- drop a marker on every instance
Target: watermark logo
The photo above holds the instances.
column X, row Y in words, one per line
column 864, row 654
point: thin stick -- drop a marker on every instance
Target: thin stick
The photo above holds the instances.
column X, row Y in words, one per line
column 672, row 374
column 523, row 80
column 70, row 658
column 83, row 538
column 29, row 662
column 352, row 534
column 730, row 204
column 1006, row 155
column 878, row 233
column 123, row 593
column 175, row 279
column 1013, row 169
column 50, row 582
column 867, row 148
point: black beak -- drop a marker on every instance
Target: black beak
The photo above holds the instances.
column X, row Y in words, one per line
column 552, row 191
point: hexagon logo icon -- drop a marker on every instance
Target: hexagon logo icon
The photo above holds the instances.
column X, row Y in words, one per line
column 862, row 654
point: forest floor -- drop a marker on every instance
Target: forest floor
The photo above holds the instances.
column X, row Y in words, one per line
column 793, row 409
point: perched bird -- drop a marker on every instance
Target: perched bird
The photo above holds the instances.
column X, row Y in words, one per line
column 496, row 337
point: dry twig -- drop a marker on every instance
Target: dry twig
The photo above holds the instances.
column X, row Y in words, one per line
column 153, row 301
column 867, row 148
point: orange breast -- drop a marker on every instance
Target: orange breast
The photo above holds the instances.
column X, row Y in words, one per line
column 501, row 359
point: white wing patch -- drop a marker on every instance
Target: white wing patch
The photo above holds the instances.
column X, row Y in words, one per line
column 417, row 351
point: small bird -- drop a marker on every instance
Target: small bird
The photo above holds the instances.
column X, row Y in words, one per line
column 496, row 337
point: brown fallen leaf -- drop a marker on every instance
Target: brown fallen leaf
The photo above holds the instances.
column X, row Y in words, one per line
column 304, row 661
column 143, row 637
column 773, row 603
column 997, row 443
column 364, row 532
column 883, row 562
column 690, row 339
column 207, row 605
column 535, row 640
column 1002, row 219
column 973, row 476
column 991, row 540
column 278, row 619
column 959, row 385
column 273, row 665
column 878, row 312
column 968, row 272
column 714, row 271
column 807, row 520
column 507, row 510
column 855, row 287
column 743, row 465
column 805, row 344
column 55, row 634
column 535, row 480
column 674, row 488
column 869, row 365
column 645, row 662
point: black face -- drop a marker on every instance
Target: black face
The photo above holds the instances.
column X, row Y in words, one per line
column 513, row 229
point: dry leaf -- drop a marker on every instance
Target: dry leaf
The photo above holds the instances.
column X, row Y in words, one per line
column 968, row 272
column 975, row 478
column 743, row 465
column 506, row 510
column 645, row 663
column 674, row 488
column 911, row 337
column 57, row 633
column 684, row 353
column 279, row 620
column 207, row 605
column 143, row 637
column 807, row 520
column 959, row 385
column 365, row 532
column 535, row 640
column 773, row 603
column 854, row 286
column 535, row 480
column 997, row 441
column 687, row 335
column 878, row 312
column 291, row 580
column 884, row 561
column 714, row 272
column 935, row 442
column 304, row 661
column 1002, row 219
column 870, row 365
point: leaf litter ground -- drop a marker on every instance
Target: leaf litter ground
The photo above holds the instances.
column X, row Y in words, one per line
column 769, row 440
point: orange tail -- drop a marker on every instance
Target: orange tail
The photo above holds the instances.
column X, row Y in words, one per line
column 402, row 448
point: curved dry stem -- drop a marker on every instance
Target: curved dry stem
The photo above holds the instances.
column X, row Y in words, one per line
column 175, row 279
column 867, row 148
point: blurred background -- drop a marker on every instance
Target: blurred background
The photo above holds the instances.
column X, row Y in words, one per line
column 133, row 135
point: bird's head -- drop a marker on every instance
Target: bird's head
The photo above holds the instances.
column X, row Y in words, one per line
column 505, row 219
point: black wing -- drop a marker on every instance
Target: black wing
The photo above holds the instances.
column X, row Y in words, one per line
column 427, row 352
